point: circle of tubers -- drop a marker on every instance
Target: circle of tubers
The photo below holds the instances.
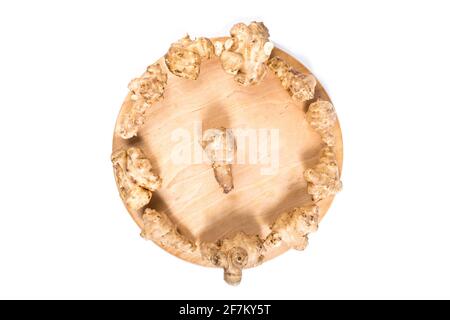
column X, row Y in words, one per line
column 246, row 55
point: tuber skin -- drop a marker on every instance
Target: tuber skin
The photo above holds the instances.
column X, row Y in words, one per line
column 322, row 117
column 292, row 228
column 145, row 91
column 134, row 177
column 185, row 56
column 300, row 86
column 234, row 254
column 219, row 146
column 246, row 52
column 159, row 228
column 323, row 180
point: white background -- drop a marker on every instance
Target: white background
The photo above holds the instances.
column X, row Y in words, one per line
column 64, row 68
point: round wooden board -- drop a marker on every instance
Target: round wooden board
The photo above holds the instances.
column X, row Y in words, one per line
column 189, row 193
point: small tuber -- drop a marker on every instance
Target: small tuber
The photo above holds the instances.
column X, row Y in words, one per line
column 145, row 91
column 246, row 52
column 323, row 180
column 134, row 177
column 300, row 86
column 185, row 56
column 219, row 145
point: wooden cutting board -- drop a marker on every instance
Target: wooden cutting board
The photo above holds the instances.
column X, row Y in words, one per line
column 189, row 193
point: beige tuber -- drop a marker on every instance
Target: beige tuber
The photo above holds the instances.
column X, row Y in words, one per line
column 322, row 118
column 145, row 91
column 219, row 145
column 323, row 180
column 185, row 56
column 134, row 177
column 292, row 228
column 234, row 254
column 300, row 86
column 160, row 229
column 244, row 55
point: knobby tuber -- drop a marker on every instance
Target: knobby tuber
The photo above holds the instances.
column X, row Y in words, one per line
column 134, row 177
column 160, row 229
column 234, row 254
column 219, row 146
column 300, row 86
column 292, row 228
column 145, row 91
column 322, row 118
column 323, row 180
column 185, row 56
column 246, row 52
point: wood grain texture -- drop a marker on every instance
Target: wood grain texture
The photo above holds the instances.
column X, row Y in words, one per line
column 189, row 193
